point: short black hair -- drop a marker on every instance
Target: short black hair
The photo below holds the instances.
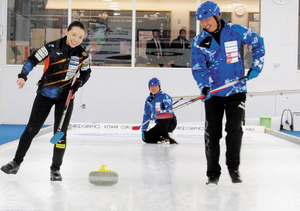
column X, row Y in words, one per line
column 155, row 30
column 181, row 30
column 78, row 24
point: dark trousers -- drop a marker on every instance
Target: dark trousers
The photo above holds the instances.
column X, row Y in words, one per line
column 234, row 107
column 161, row 129
column 39, row 113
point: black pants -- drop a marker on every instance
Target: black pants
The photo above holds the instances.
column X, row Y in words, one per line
column 39, row 113
column 161, row 129
column 234, row 107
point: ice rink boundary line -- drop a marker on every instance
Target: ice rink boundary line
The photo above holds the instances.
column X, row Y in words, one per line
column 287, row 137
column 43, row 131
column 188, row 128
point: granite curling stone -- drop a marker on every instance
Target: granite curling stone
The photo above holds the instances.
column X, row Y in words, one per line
column 103, row 177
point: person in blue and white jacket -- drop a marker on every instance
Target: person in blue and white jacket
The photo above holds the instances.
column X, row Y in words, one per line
column 217, row 60
column 158, row 102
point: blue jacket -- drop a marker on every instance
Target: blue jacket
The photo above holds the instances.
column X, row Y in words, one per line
column 215, row 65
column 161, row 102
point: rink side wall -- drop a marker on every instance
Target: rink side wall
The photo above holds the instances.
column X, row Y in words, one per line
column 116, row 95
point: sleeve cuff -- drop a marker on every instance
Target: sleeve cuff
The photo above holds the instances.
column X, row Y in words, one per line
column 22, row 75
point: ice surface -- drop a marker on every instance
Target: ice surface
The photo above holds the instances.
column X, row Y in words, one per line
column 152, row 177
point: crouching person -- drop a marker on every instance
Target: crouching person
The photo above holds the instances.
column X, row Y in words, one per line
column 158, row 102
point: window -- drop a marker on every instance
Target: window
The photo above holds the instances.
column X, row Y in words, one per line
column 149, row 52
column 109, row 36
column 32, row 23
column 299, row 39
column 29, row 26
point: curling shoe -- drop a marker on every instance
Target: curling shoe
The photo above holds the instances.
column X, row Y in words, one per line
column 11, row 168
column 212, row 180
column 55, row 175
column 161, row 140
column 172, row 141
column 235, row 176
column 168, row 140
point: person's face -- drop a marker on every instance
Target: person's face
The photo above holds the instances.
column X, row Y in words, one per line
column 155, row 35
column 182, row 34
column 210, row 24
column 75, row 36
column 154, row 89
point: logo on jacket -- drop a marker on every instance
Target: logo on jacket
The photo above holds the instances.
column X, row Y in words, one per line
column 157, row 107
column 206, row 42
column 231, row 49
column 41, row 53
column 242, row 105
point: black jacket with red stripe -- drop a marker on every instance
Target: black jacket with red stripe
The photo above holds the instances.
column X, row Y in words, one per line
column 56, row 56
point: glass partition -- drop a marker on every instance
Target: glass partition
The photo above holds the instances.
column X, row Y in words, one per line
column 109, row 35
column 29, row 26
column 299, row 37
column 32, row 23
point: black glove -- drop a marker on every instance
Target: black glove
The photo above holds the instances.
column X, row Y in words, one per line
column 76, row 85
column 206, row 92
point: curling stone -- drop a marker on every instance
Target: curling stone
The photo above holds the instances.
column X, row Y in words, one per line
column 103, row 177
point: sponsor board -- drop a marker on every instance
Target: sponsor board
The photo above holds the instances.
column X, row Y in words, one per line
column 181, row 128
column 254, row 129
column 100, row 126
